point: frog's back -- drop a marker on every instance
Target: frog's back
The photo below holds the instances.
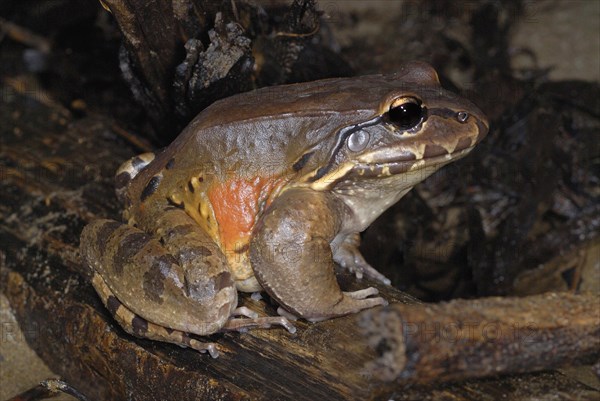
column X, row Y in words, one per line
column 334, row 95
column 274, row 125
column 267, row 130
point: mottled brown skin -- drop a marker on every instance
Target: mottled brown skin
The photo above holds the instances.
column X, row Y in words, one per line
column 267, row 190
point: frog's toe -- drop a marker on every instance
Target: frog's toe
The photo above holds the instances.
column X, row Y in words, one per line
column 288, row 315
column 244, row 311
column 369, row 271
column 362, row 294
column 353, row 260
column 202, row 347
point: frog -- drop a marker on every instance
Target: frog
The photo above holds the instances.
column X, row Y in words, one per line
column 269, row 191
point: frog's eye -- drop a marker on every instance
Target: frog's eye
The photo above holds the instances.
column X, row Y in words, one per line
column 358, row 140
column 406, row 112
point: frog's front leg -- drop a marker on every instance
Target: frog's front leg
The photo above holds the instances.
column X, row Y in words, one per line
column 292, row 258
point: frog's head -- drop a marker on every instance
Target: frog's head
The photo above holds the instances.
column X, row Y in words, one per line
column 413, row 128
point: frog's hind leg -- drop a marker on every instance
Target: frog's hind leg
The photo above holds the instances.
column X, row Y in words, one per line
column 140, row 327
column 127, row 172
column 177, row 283
column 188, row 243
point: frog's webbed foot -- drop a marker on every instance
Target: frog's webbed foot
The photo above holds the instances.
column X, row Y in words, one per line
column 349, row 257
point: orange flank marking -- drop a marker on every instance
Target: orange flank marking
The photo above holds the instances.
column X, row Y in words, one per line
column 236, row 204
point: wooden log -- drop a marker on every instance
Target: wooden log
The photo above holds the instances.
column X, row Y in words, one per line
column 465, row 339
column 151, row 36
column 56, row 174
column 171, row 78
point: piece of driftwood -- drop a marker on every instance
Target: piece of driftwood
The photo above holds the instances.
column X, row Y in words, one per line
column 56, row 174
column 151, row 35
column 464, row 339
column 166, row 64
column 180, row 56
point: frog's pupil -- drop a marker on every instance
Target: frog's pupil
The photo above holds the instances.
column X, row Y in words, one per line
column 406, row 115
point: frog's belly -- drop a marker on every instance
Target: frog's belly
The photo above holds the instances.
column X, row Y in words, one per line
column 227, row 211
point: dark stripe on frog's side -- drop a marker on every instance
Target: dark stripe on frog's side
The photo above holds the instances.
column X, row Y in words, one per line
column 179, row 231
column 154, row 277
column 128, row 247
column 138, row 164
column 150, row 187
column 139, row 325
column 223, row 280
column 302, row 161
column 112, row 304
column 104, row 232
column 187, row 254
column 341, row 137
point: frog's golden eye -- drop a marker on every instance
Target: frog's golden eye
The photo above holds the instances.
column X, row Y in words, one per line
column 406, row 113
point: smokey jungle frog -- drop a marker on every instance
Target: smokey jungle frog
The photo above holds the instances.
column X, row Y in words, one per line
column 268, row 190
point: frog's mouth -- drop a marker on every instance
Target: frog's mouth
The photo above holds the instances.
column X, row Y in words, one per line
column 409, row 162
column 421, row 154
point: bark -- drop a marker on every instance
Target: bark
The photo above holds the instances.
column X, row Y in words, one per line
column 476, row 338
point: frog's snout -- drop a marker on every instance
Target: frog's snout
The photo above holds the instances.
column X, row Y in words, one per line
column 479, row 119
column 479, row 127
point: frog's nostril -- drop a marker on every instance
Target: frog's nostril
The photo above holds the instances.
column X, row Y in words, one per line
column 462, row 116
